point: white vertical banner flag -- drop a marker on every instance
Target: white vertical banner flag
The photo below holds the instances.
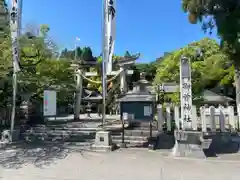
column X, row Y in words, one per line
column 14, row 20
column 105, row 47
column 111, row 32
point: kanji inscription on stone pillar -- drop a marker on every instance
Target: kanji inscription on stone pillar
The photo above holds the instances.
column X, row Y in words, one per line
column 185, row 92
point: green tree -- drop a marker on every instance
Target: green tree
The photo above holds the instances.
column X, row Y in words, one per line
column 40, row 68
column 225, row 16
column 207, row 70
column 67, row 54
column 5, row 70
column 148, row 68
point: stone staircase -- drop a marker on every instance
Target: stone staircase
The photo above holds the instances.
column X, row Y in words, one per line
column 137, row 135
column 60, row 133
column 77, row 135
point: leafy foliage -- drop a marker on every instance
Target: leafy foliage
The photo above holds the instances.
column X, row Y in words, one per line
column 222, row 14
column 39, row 67
column 208, row 70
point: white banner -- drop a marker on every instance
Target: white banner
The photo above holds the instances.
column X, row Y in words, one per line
column 15, row 19
column 110, row 32
column 50, row 103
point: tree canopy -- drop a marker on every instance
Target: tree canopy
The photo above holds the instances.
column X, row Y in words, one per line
column 223, row 15
column 208, row 70
column 40, row 68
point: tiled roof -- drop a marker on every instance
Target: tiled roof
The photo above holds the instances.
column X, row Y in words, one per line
column 210, row 96
column 137, row 97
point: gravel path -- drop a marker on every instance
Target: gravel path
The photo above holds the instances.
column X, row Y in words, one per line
column 128, row 164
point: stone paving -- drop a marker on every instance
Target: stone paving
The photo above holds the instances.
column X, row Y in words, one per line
column 123, row 164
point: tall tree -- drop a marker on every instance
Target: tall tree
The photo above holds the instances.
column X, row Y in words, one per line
column 207, row 71
column 39, row 67
column 225, row 16
column 4, row 17
column 5, row 70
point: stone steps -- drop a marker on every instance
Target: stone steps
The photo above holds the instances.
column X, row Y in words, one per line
column 79, row 137
column 90, row 131
column 61, row 132
column 137, row 132
column 54, row 136
column 74, row 135
column 113, row 127
column 132, row 142
column 128, row 132
column 130, row 138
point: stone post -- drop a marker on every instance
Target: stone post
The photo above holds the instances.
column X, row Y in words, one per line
column 238, row 117
column 222, row 119
column 212, row 118
column 231, row 117
column 177, row 117
column 203, row 119
column 169, row 121
column 160, row 118
column 194, row 118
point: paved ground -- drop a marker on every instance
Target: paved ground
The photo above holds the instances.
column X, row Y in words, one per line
column 128, row 164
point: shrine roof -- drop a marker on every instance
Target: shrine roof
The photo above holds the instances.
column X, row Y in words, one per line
column 137, row 97
column 212, row 97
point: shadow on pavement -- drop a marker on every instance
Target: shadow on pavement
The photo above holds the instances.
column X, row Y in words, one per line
column 39, row 154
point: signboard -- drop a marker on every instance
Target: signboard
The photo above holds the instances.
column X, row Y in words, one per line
column 147, row 110
column 50, row 103
column 169, row 87
column 186, row 91
column 130, row 72
column 125, row 116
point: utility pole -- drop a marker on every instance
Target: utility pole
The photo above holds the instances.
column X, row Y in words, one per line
column 79, row 81
column 15, row 24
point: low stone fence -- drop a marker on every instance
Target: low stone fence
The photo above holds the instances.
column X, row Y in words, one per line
column 215, row 131
column 211, row 119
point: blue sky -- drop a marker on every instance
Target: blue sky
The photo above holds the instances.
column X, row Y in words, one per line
column 150, row 27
